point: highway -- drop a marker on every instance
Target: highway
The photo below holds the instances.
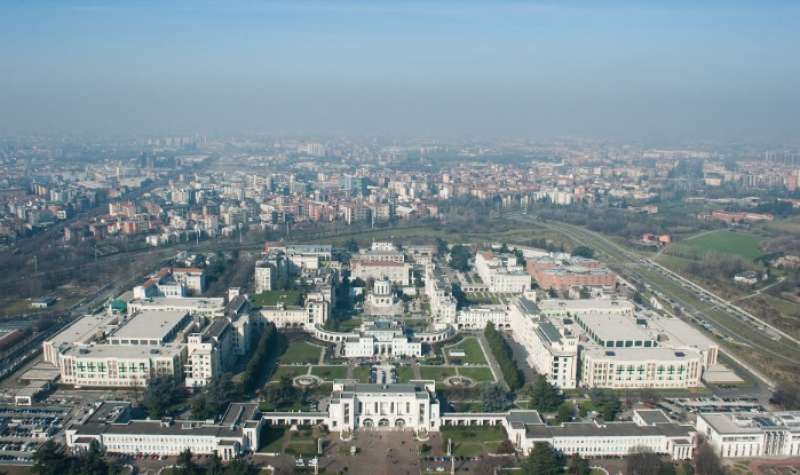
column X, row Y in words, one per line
column 736, row 328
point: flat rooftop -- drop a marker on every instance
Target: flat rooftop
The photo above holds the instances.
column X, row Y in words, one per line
column 104, row 351
column 82, row 329
column 614, row 327
column 642, row 355
column 586, row 304
column 150, row 324
column 181, row 302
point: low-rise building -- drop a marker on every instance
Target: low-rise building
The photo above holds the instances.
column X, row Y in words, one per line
column 752, row 434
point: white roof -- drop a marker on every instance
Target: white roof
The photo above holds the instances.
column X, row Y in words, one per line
column 150, row 324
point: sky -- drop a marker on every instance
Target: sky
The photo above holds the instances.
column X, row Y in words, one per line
column 630, row 70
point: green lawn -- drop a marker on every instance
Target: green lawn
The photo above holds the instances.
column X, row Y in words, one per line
column 740, row 244
column 477, row 374
column 472, row 349
column 436, row 373
column 329, row 373
column 273, row 297
column 290, row 371
column 405, row 374
column 474, row 440
column 362, row 373
column 300, row 352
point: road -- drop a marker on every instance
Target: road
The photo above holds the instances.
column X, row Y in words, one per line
column 729, row 323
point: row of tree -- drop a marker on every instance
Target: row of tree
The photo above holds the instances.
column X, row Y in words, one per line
column 270, row 344
column 504, row 356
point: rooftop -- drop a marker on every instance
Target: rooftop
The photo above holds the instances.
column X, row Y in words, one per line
column 150, row 324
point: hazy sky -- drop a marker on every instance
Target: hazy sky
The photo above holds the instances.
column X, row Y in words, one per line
column 619, row 69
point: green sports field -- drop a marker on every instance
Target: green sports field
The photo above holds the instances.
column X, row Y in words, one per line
column 727, row 242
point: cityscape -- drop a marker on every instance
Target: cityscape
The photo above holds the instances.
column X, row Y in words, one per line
column 396, row 290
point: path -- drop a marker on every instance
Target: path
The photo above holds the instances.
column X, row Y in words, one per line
column 493, row 366
column 757, row 292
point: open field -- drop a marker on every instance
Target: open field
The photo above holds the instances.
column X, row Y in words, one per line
column 290, row 371
column 330, row 373
column 478, row 375
column 436, row 373
column 472, row 349
column 405, row 374
column 362, row 374
column 300, row 352
column 273, row 297
column 473, row 441
column 740, row 244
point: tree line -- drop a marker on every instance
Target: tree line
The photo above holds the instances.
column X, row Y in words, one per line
column 504, row 356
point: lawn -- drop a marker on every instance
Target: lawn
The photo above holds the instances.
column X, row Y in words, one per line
column 329, row 373
column 436, row 373
column 474, row 440
column 290, row 371
column 472, row 349
column 362, row 374
column 300, row 352
column 291, row 298
column 727, row 242
column 477, row 374
column 405, row 374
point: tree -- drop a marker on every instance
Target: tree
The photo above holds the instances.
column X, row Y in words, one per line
column 351, row 245
column 215, row 397
column 161, row 393
column 787, row 395
column 49, row 459
column 459, row 258
column 441, row 247
column 185, row 465
column 642, row 461
column 215, row 466
column 241, row 467
column 578, row 465
column 606, row 403
column 706, row 461
column 542, row 460
column 544, row 397
column 92, row 462
column 494, row 398
column 505, row 447
column 565, row 412
column 583, row 251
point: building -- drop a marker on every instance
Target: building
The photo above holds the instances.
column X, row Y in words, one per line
column 501, row 273
column 209, row 307
column 439, row 291
column 752, row 434
column 628, row 368
column 381, row 338
column 132, row 352
column 82, row 331
column 602, row 306
column 650, row 430
column 314, row 312
column 397, row 272
column 110, row 425
column 563, row 272
column 551, row 350
column 269, row 271
column 209, row 353
column 384, row 406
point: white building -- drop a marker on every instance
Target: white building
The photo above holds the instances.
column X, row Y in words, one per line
column 650, row 430
column 314, row 312
column 269, row 271
column 381, row 338
column 764, row 434
column 599, row 306
column 397, row 272
column 210, row 353
column 393, row 406
column 628, row 368
column 551, row 350
column 209, row 307
column 501, row 272
column 111, row 427
column 439, row 291
column 105, row 365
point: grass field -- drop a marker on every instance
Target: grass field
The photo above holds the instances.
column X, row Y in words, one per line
column 329, row 373
column 727, row 242
column 362, row 374
column 290, row 371
column 477, row 374
column 300, row 353
column 472, row 441
column 273, row 297
column 436, row 373
column 405, row 374
column 472, row 349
